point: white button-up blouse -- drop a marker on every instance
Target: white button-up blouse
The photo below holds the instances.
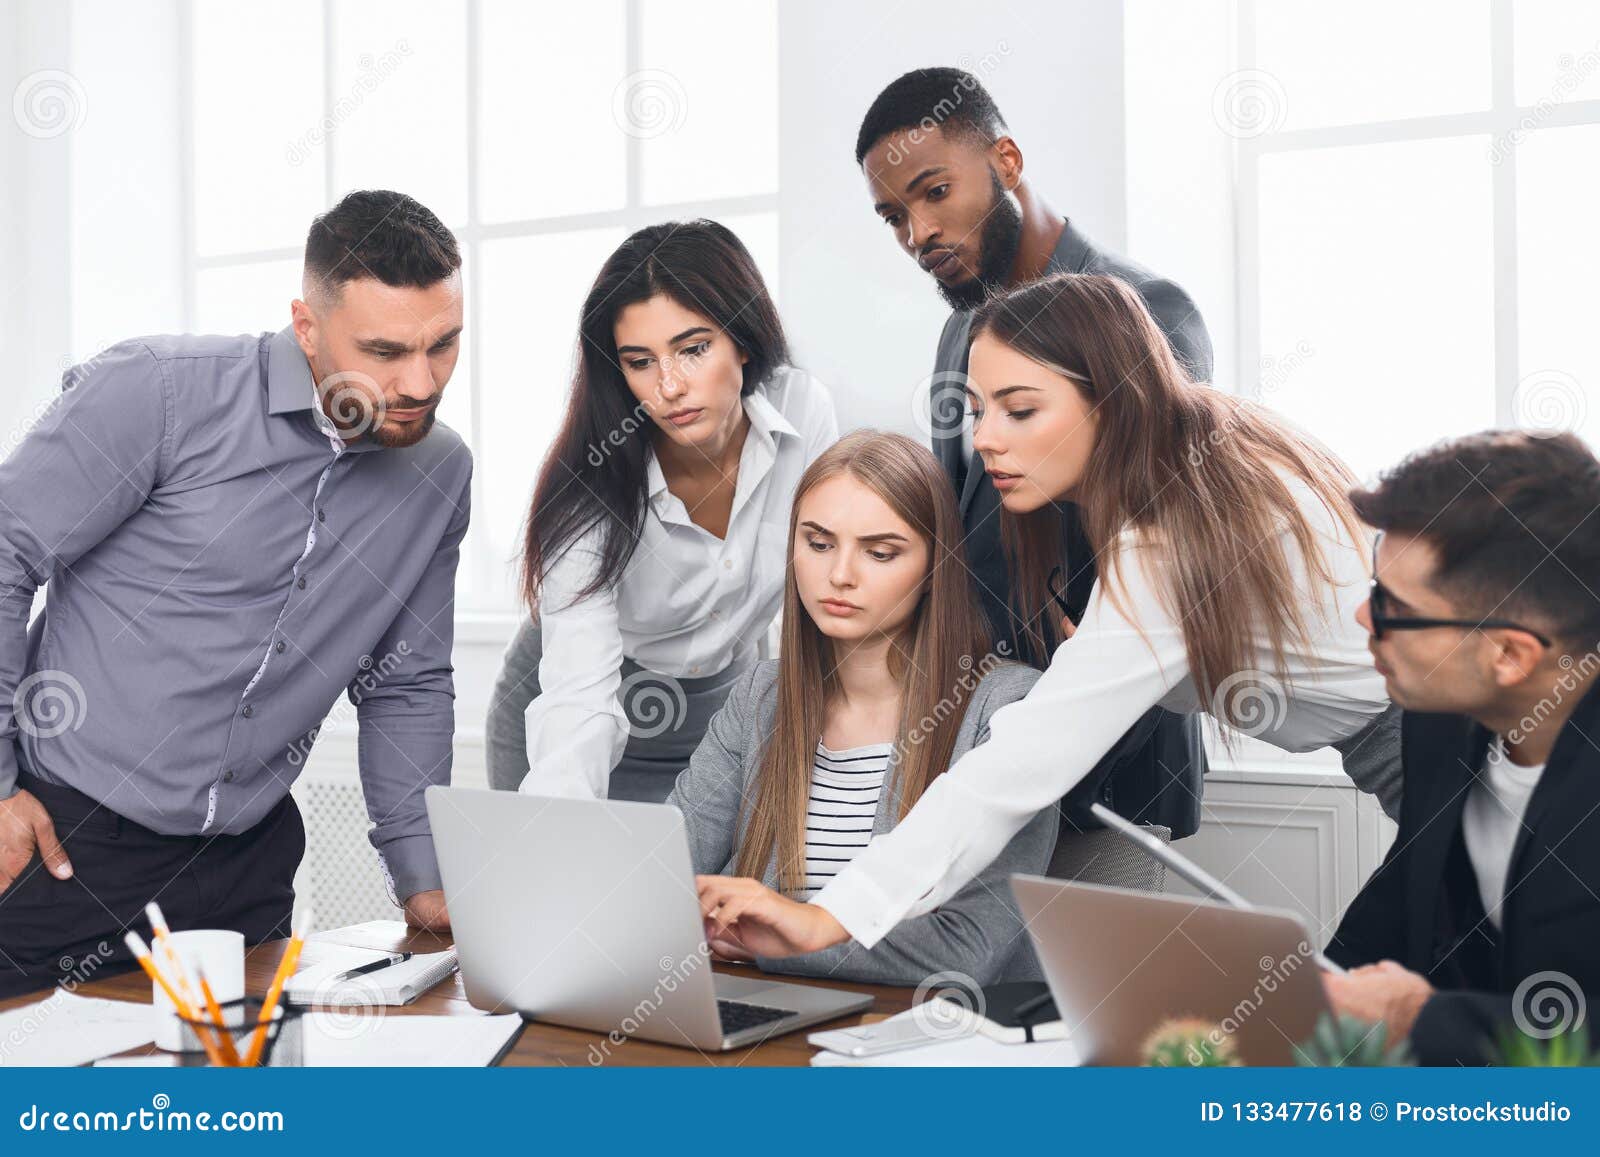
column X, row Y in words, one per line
column 687, row 603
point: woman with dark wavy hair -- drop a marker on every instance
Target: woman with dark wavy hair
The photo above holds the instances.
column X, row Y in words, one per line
column 654, row 551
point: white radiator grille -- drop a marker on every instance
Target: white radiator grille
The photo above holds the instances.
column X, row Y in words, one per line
column 340, row 876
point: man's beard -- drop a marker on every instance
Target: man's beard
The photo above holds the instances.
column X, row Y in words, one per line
column 392, row 436
column 998, row 243
column 352, row 404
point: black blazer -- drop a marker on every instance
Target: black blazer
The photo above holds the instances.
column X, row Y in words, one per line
column 1154, row 774
column 1421, row 907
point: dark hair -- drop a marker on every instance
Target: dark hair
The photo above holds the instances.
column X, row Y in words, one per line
column 595, row 472
column 1511, row 518
column 930, row 98
column 381, row 234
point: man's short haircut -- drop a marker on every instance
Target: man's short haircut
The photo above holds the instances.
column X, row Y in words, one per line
column 381, row 234
column 929, row 98
column 1514, row 519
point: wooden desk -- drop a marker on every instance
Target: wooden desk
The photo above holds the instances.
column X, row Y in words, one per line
column 538, row 1044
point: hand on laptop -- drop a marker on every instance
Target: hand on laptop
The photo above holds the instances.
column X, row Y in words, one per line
column 1384, row 991
column 426, row 910
column 750, row 916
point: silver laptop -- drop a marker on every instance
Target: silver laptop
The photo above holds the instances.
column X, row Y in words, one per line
column 1186, row 868
column 584, row 913
column 1120, row 962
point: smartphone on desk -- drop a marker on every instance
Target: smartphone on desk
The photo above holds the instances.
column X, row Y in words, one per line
column 866, row 1040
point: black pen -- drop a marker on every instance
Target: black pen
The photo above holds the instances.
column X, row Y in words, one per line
column 373, row 967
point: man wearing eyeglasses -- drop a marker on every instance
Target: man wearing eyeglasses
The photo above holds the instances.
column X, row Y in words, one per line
column 1483, row 921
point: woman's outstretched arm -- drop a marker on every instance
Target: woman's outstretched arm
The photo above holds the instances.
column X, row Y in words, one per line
column 1098, row 683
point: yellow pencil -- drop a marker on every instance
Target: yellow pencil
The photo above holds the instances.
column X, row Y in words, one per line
column 286, row 967
column 163, row 940
column 141, row 953
column 224, row 1036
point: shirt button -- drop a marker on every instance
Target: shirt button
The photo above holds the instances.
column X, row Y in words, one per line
column 278, row 646
column 301, row 582
column 227, row 777
column 249, row 711
column 727, row 564
column 694, row 670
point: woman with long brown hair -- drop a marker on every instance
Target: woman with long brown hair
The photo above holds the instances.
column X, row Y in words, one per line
column 1230, row 567
column 885, row 677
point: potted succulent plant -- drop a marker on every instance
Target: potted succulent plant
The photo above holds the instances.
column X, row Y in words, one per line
column 1189, row 1042
column 1563, row 1050
column 1349, row 1042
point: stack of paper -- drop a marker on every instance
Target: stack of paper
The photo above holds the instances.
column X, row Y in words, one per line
column 414, row 1041
column 65, row 1029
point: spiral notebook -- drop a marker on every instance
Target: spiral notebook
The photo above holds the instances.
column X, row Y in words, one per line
column 396, row 984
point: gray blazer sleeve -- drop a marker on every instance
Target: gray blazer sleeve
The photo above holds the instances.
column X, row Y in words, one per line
column 979, row 931
column 506, row 730
column 710, row 791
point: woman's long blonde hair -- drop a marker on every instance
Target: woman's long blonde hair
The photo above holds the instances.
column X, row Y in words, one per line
column 938, row 658
column 1194, row 469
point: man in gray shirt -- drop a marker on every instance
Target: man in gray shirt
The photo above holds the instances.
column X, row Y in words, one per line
column 231, row 531
column 946, row 176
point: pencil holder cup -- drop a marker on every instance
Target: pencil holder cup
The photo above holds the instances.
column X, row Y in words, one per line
column 219, row 954
column 283, row 1045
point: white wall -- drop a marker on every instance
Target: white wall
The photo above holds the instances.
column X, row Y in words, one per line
column 862, row 316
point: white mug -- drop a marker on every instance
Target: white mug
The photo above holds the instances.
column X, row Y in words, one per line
column 220, row 955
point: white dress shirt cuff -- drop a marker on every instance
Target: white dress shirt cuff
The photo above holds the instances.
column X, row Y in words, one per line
column 860, row 905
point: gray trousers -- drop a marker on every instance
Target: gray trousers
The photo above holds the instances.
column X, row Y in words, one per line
column 1372, row 760
column 668, row 717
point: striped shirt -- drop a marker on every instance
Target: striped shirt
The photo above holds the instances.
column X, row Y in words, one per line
column 845, row 787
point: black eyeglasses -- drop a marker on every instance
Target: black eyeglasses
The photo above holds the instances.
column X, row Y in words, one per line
column 1382, row 620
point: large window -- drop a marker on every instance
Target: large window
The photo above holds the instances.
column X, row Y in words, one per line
column 542, row 134
column 1417, row 241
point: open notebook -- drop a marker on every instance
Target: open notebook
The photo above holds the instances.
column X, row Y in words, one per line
column 398, row 983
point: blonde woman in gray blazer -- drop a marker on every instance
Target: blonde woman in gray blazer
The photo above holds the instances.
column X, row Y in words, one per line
column 978, row 933
column 885, row 677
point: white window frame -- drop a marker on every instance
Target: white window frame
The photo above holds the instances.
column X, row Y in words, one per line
column 1504, row 121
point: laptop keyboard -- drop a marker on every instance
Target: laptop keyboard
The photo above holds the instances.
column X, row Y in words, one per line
column 738, row 1016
